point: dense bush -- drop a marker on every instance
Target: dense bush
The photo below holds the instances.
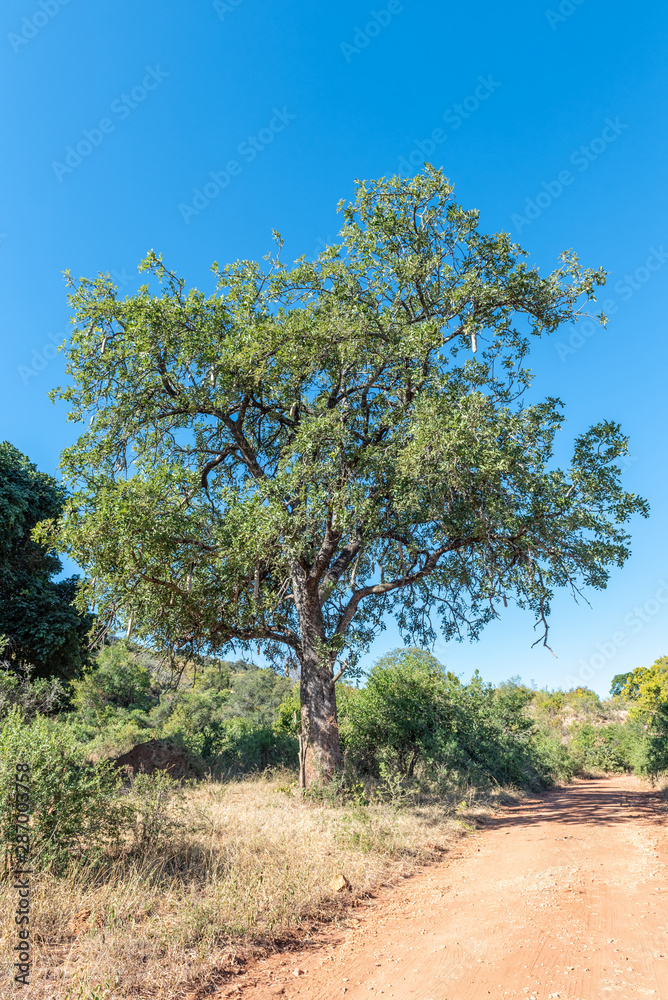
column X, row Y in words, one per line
column 412, row 719
column 42, row 695
column 612, row 747
column 414, row 715
column 120, row 701
column 239, row 746
column 402, row 716
column 74, row 807
column 118, row 682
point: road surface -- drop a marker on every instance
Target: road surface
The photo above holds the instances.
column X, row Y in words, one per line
column 563, row 896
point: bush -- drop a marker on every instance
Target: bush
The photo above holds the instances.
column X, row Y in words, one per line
column 118, row 684
column 414, row 715
column 289, row 712
column 553, row 758
column 256, row 695
column 402, row 716
column 43, row 695
column 237, row 746
column 611, row 748
column 74, row 810
column 196, row 707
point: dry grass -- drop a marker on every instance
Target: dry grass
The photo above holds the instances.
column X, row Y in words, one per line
column 228, row 867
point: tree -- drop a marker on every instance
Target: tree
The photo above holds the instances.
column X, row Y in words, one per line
column 619, row 682
column 645, row 687
column 311, row 447
column 39, row 624
column 405, row 713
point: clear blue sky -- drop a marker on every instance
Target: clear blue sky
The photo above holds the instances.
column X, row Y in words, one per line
column 549, row 117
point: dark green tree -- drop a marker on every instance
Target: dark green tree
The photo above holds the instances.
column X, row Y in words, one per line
column 619, row 683
column 38, row 621
column 311, row 448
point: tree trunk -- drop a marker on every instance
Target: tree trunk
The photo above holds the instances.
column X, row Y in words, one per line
column 320, row 750
column 320, row 727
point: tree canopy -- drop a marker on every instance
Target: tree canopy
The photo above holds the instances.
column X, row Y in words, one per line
column 645, row 687
column 287, row 460
column 38, row 622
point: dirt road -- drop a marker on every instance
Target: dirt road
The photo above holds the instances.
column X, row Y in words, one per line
column 564, row 896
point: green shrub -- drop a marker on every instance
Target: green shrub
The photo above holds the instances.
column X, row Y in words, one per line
column 654, row 760
column 256, row 695
column 401, row 717
column 42, row 695
column 413, row 715
column 615, row 747
column 553, row 758
column 118, row 684
column 238, row 746
column 74, row 812
column 289, row 712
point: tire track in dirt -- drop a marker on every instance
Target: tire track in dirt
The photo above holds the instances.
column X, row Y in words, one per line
column 563, row 897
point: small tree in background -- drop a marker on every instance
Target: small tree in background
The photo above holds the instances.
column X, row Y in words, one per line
column 646, row 688
column 290, row 459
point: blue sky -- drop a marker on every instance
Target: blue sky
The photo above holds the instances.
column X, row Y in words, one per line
column 194, row 129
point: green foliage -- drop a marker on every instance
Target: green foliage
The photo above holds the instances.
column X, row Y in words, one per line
column 40, row 626
column 552, row 757
column 609, row 748
column 560, row 709
column 256, row 695
column 222, row 712
column 289, row 713
column 548, row 705
column 117, row 681
column 343, row 415
column 239, row 746
column 42, row 695
column 252, row 694
column 656, row 755
column 619, row 683
column 512, row 697
column 414, row 715
column 75, row 812
column 401, row 716
column 646, row 688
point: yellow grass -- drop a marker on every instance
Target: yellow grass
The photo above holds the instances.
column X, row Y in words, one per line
column 245, row 865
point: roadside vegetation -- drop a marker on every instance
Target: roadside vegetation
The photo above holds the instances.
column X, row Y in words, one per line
column 144, row 883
